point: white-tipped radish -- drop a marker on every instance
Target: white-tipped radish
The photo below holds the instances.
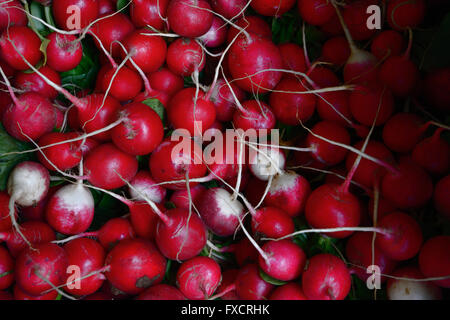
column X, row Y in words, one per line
column 143, row 183
column 265, row 162
column 400, row 288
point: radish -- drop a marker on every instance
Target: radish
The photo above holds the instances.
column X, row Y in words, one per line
column 141, row 130
column 244, row 252
column 293, row 57
column 141, row 47
column 400, row 289
column 62, row 11
column 199, row 277
column 402, row 14
column 404, row 237
column 188, row 108
column 272, row 222
column 219, row 211
column 143, row 183
column 222, row 96
column 70, row 210
column 286, row 260
column 289, row 291
column 6, row 269
column 105, row 7
column 64, row 156
column 403, row 131
column 12, row 14
column 441, row 196
column 336, row 51
column 144, row 219
column 180, row 198
column 288, row 107
column 6, row 295
column 356, row 16
column 17, row 41
column 114, row 231
column 166, row 81
column 167, row 166
column 35, row 232
column 31, row 82
column 252, row 24
column 216, row 35
column 254, row 63
column 386, row 44
column 39, row 270
column 63, row 51
column 20, row 294
column 229, row 8
column 436, row 89
column 228, row 279
column 250, row 285
column 266, row 162
column 5, row 220
column 334, row 106
column 185, row 56
column 189, row 18
column 326, row 278
column 323, row 77
column 272, row 8
column 181, row 235
column 254, row 114
column 107, row 167
column 433, row 154
column 147, row 267
column 125, row 85
column 358, row 251
column 99, row 295
column 434, row 259
column 384, row 207
column 161, row 292
column 315, row 12
column 89, row 256
column 149, row 12
column 410, row 187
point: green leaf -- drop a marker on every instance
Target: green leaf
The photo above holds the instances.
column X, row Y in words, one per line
column 4, row 274
column 122, row 3
column 157, row 106
column 37, row 10
column 106, row 208
column 58, row 297
column 270, row 280
column 7, row 162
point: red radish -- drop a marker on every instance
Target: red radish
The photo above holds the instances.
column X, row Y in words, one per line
column 400, row 75
column 441, row 196
column 181, row 236
column 113, row 28
column 285, row 262
column 400, row 289
column 89, row 256
column 266, row 162
column 141, row 130
column 252, row 24
column 199, row 277
column 12, row 14
column 410, row 187
column 404, row 236
column 324, row 151
column 437, row 84
column 290, row 108
column 144, row 219
column 20, row 294
column 330, row 103
column 32, row 82
column 180, row 198
column 332, row 27
column 254, row 63
column 63, row 13
column 228, row 8
column 290, row 291
column 48, row 262
column 329, row 206
column 6, row 295
column 358, row 251
column 6, row 269
column 126, row 83
column 30, row 114
column 250, row 285
column 5, row 220
column 326, row 278
column 336, row 51
column 184, row 56
column 99, row 295
column 369, row 172
column 356, row 18
column 70, row 210
column 387, row 43
column 188, row 108
column 254, row 114
column 166, row 165
column 433, row 154
column 293, row 57
column 224, row 101
column 114, row 231
column 434, row 259
column 105, row 7
column 64, row 156
column 166, row 81
column 289, row 192
column 142, row 47
column 148, row 12
column 365, row 101
column 315, row 12
column 272, row 222
column 143, row 183
column 161, row 292
column 244, row 252
column 64, row 52
column 106, row 166
column 384, row 207
column 403, row 131
column 88, row 145
column 135, row 265
column 323, row 77
column 402, row 14
column 35, row 232
column 189, row 18
column 216, row 35
column 220, row 211
column 272, row 8
column 228, row 280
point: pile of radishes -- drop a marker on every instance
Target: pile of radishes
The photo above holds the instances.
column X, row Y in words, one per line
column 357, row 192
